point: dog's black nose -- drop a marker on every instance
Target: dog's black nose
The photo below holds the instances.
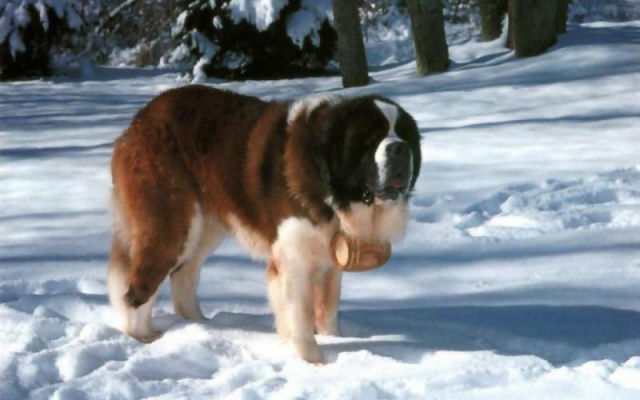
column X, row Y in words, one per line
column 398, row 149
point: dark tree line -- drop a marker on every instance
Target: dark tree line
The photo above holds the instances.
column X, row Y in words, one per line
column 427, row 26
column 205, row 35
column 533, row 24
column 533, row 27
column 492, row 13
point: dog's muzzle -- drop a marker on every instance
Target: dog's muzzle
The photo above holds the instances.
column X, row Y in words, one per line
column 394, row 170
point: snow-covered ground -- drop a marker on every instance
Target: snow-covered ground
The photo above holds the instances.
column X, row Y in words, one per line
column 519, row 277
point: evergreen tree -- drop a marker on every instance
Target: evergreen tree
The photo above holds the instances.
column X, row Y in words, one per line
column 229, row 38
column 28, row 30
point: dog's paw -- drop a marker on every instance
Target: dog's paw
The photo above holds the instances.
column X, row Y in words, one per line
column 149, row 337
column 310, row 352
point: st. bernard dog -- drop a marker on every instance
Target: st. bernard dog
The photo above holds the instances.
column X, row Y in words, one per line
column 199, row 163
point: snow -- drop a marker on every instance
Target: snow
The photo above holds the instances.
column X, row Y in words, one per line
column 518, row 277
column 603, row 10
column 74, row 20
column 44, row 18
column 217, row 22
column 179, row 53
column 180, row 21
column 305, row 22
column 208, row 50
column 389, row 40
column 205, row 46
column 21, row 15
column 308, row 20
column 259, row 13
column 15, row 43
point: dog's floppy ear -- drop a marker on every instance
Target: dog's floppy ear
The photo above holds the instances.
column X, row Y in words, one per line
column 305, row 165
column 408, row 130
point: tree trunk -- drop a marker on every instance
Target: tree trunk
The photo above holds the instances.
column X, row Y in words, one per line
column 561, row 15
column 429, row 40
column 351, row 55
column 491, row 14
column 532, row 26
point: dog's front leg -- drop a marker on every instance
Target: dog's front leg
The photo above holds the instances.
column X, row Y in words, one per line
column 326, row 296
column 294, row 265
column 290, row 295
column 299, row 312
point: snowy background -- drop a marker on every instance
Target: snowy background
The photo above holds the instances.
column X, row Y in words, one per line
column 519, row 276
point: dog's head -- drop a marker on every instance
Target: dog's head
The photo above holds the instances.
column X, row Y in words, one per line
column 374, row 151
column 367, row 150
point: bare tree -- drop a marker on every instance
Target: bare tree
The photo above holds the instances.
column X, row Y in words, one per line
column 491, row 15
column 532, row 26
column 351, row 55
column 429, row 40
column 561, row 15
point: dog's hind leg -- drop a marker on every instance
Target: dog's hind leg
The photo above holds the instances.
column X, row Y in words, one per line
column 155, row 208
column 135, row 322
column 136, row 271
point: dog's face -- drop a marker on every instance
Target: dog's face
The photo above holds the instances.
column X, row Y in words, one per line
column 374, row 154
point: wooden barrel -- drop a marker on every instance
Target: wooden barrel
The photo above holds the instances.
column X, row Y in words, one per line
column 355, row 255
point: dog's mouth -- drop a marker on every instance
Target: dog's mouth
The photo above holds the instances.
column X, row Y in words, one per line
column 394, row 183
column 390, row 192
column 393, row 187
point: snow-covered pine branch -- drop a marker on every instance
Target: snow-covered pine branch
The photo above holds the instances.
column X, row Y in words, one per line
column 255, row 38
column 28, row 28
column 114, row 13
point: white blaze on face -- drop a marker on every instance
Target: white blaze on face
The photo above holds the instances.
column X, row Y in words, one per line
column 390, row 111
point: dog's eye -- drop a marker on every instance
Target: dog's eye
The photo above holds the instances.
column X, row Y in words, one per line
column 373, row 139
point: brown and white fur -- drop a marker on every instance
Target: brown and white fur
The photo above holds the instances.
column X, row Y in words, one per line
column 197, row 164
